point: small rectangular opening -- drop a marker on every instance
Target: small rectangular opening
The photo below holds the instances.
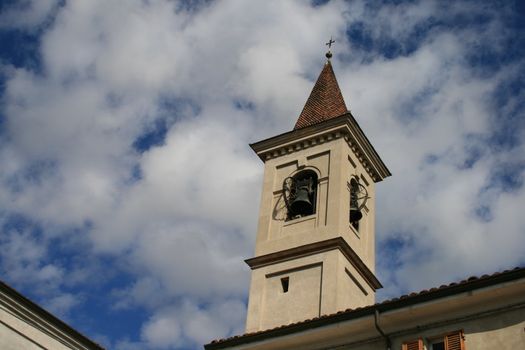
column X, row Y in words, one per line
column 285, row 282
column 364, row 180
column 352, row 162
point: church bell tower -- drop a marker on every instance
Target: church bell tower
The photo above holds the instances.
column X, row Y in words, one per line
column 314, row 252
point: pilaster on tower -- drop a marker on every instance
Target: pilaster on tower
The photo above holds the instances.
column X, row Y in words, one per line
column 314, row 252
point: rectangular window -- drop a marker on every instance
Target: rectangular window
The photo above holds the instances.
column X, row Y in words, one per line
column 450, row 341
column 413, row 345
column 454, row 341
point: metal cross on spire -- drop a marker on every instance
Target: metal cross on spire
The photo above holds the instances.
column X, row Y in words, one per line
column 329, row 44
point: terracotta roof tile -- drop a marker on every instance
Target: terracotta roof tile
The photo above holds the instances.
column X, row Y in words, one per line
column 325, row 101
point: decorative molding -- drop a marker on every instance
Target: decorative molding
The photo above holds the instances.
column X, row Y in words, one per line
column 34, row 316
column 356, row 281
column 344, row 126
column 315, row 248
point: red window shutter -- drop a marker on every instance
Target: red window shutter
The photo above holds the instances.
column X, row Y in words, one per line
column 413, row 345
column 454, row 341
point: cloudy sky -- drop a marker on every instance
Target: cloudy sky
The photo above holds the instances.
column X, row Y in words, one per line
column 128, row 192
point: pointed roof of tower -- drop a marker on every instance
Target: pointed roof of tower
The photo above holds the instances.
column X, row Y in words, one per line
column 325, row 101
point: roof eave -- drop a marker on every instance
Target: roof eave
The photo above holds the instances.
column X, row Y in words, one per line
column 21, row 305
column 455, row 289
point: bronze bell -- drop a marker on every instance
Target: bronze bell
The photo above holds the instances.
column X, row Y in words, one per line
column 301, row 204
column 355, row 212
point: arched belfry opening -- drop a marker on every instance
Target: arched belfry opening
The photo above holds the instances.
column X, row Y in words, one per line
column 300, row 194
column 358, row 199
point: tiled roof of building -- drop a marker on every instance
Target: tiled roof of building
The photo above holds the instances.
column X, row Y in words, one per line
column 325, row 101
column 468, row 284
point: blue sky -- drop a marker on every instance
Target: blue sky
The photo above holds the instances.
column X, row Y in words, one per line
column 122, row 122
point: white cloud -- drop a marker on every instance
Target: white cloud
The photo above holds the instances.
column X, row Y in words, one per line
column 162, row 332
column 187, row 324
column 182, row 228
column 60, row 305
column 24, row 262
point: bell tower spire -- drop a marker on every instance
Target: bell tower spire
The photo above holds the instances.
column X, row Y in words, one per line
column 325, row 101
column 314, row 252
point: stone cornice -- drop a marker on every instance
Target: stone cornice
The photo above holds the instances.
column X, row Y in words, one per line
column 314, row 248
column 33, row 315
column 344, row 126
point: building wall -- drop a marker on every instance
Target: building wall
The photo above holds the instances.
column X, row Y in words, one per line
column 10, row 340
column 26, row 326
column 352, row 290
column 17, row 334
column 502, row 330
